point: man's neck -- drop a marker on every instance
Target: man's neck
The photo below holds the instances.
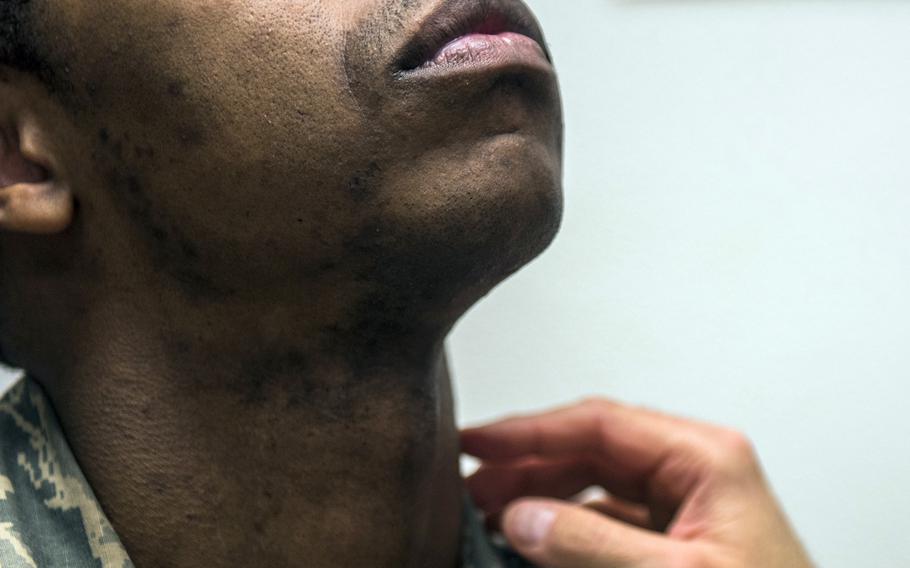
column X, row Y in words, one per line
column 206, row 454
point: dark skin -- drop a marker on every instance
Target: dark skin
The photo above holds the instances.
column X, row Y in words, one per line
column 232, row 247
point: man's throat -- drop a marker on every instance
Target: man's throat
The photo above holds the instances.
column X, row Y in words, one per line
column 312, row 471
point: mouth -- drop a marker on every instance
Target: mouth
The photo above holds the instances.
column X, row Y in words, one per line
column 471, row 33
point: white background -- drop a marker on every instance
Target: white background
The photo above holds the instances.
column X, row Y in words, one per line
column 736, row 247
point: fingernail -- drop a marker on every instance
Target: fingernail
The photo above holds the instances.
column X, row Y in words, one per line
column 530, row 523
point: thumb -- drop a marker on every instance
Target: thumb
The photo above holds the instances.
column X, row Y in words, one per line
column 556, row 534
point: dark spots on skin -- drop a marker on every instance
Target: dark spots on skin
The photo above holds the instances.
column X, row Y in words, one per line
column 138, row 204
column 188, row 249
column 414, row 278
column 364, row 183
column 381, row 318
column 412, row 465
column 323, row 400
column 403, row 276
column 118, row 148
column 172, row 252
column 197, row 284
column 176, row 89
column 142, row 152
column 271, row 368
column 190, row 136
column 92, row 90
column 134, row 189
column 181, row 347
column 317, row 235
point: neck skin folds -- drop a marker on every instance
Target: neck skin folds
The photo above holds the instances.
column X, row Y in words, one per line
column 231, row 435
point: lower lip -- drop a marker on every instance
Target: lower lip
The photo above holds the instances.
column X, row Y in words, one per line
column 483, row 49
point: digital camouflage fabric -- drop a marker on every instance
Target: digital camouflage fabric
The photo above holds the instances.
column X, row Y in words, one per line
column 49, row 517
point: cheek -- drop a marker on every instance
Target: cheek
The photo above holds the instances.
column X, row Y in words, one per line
column 497, row 203
column 181, row 69
column 227, row 116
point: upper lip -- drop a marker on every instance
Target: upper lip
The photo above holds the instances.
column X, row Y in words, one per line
column 456, row 18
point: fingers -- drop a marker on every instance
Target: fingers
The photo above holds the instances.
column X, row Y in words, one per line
column 667, row 456
column 559, row 535
column 698, row 488
column 496, row 485
column 556, row 433
column 636, row 436
column 629, row 513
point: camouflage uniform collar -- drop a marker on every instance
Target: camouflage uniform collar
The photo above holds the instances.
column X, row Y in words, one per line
column 49, row 516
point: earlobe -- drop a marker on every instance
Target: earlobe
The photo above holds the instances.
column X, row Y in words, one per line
column 32, row 199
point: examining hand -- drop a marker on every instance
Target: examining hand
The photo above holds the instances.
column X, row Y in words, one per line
column 681, row 493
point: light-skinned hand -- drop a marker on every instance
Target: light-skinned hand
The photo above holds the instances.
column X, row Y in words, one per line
column 681, row 493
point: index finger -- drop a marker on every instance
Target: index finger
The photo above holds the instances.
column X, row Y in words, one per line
column 633, row 440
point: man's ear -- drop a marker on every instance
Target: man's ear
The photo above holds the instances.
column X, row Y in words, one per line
column 33, row 196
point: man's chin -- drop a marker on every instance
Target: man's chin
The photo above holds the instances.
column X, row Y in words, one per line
column 463, row 231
